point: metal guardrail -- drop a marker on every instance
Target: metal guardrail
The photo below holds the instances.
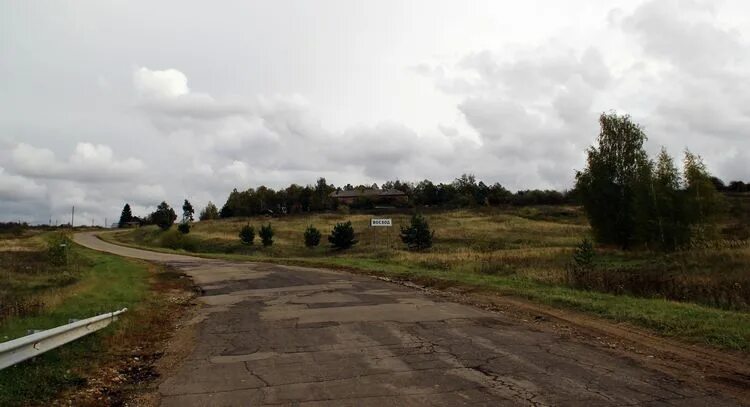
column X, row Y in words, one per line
column 26, row 347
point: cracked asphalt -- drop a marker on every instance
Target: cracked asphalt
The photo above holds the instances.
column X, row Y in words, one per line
column 278, row 335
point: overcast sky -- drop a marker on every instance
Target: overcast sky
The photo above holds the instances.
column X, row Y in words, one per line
column 107, row 102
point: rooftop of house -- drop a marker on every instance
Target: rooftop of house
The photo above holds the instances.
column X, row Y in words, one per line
column 370, row 192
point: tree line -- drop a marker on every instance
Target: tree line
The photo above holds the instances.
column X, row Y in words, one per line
column 633, row 200
column 464, row 191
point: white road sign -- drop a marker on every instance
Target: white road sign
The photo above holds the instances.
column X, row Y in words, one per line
column 381, row 222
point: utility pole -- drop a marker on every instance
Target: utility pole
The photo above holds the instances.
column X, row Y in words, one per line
column 72, row 217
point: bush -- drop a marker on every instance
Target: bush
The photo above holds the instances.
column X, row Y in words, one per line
column 175, row 240
column 184, row 228
column 583, row 254
column 312, row 236
column 247, row 234
column 14, row 228
column 58, row 248
column 418, row 235
column 266, row 235
column 342, row 236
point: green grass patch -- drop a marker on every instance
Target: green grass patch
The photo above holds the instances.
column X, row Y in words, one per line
column 104, row 283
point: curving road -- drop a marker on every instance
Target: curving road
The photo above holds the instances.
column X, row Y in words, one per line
column 278, row 335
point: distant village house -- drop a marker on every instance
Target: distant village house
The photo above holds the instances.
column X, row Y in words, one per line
column 376, row 196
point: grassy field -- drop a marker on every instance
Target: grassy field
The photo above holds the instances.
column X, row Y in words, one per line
column 38, row 295
column 698, row 295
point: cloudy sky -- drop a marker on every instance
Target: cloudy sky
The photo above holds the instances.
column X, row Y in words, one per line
column 103, row 103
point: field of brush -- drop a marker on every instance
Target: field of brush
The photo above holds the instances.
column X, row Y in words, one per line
column 532, row 244
column 701, row 295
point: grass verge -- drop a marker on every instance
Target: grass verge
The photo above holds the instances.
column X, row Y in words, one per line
column 105, row 283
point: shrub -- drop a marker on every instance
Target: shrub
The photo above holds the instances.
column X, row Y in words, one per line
column 247, row 234
column 312, row 236
column 184, row 228
column 342, row 236
column 417, row 235
column 583, row 254
column 58, row 248
column 176, row 240
column 266, row 235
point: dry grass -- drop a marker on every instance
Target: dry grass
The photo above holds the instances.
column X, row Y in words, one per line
column 530, row 243
column 533, row 243
column 519, row 251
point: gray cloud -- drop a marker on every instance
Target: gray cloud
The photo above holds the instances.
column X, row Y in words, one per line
column 702, row 81
column 167, row 113
column 15, row 188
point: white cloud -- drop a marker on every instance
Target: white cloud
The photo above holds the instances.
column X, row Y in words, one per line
column 168, row 83
column 165, row 96
column 88, row 162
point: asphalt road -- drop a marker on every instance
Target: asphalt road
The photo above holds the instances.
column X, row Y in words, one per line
column 278, row 335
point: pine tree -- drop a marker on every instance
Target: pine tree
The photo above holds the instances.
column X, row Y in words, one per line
column 126, row 216
column 266, row 235
column 312, row 236
column 417, row 235
column 342, row 236
column 247, row 234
